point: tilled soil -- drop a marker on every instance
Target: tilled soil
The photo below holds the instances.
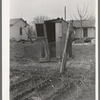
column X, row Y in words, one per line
column 78, row 82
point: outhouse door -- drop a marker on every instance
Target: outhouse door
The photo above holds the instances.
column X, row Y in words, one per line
column 58, row 32
column 50, row 28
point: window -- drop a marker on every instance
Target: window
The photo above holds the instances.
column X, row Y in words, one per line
column 85, row 32
column 40, row 30
column 20, row 30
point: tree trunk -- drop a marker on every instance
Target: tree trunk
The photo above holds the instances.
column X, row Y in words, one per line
column 81, row 29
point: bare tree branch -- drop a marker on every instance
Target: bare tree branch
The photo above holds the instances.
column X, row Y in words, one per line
column 40, row 19
column 91, row 17
column 75, row 17
column 87, row 16
column 31, row 30
column 83, row 8
column 86, row 10
column 83, row 14
column 78, row 11
column 71, row 17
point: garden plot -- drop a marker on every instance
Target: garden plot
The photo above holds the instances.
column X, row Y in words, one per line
column 80, row 72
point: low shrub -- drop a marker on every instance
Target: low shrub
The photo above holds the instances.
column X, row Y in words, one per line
column 88, row 40
column 78, row 40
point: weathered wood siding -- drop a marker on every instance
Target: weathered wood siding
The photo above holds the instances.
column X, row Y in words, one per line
column 15, row 31
column 64, row 32
column 58, row 33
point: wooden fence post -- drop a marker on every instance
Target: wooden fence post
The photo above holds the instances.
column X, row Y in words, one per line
column 65, row 52
column 67, row 48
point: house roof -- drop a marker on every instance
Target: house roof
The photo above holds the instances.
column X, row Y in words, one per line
column 85, row 23
column 13, row 21
column 56, row 20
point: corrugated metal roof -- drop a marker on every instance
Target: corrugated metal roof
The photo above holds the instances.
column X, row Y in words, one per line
column 86, row 23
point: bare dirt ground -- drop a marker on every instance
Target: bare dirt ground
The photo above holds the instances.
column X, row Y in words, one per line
column 80, row 73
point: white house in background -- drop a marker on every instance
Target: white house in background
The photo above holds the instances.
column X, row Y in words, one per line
column 88, row 29
column 18, row 29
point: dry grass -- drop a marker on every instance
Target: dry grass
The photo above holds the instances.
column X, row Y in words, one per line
column 24, row 50
column 81, row 66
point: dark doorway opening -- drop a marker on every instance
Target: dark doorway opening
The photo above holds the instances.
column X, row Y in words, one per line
column 85, row 32
column 50, row 28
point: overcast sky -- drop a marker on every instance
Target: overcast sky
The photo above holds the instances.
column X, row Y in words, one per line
column 28, row 9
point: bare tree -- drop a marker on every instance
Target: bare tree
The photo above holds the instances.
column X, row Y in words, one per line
column 40, row 19
column 31, row 33
column 83, row 14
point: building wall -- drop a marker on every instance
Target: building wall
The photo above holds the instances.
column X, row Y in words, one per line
column 64, row 32
column 64, row 27
column 60, row 36
column 91, row 32
column 79, row 34
column 58, row 32
column 15, row 31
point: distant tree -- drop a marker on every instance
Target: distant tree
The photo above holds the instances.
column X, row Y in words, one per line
column 31, row 33
column 40, row 19
column 83, row 14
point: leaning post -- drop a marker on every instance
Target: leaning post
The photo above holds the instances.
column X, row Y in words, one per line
column 65, row 52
